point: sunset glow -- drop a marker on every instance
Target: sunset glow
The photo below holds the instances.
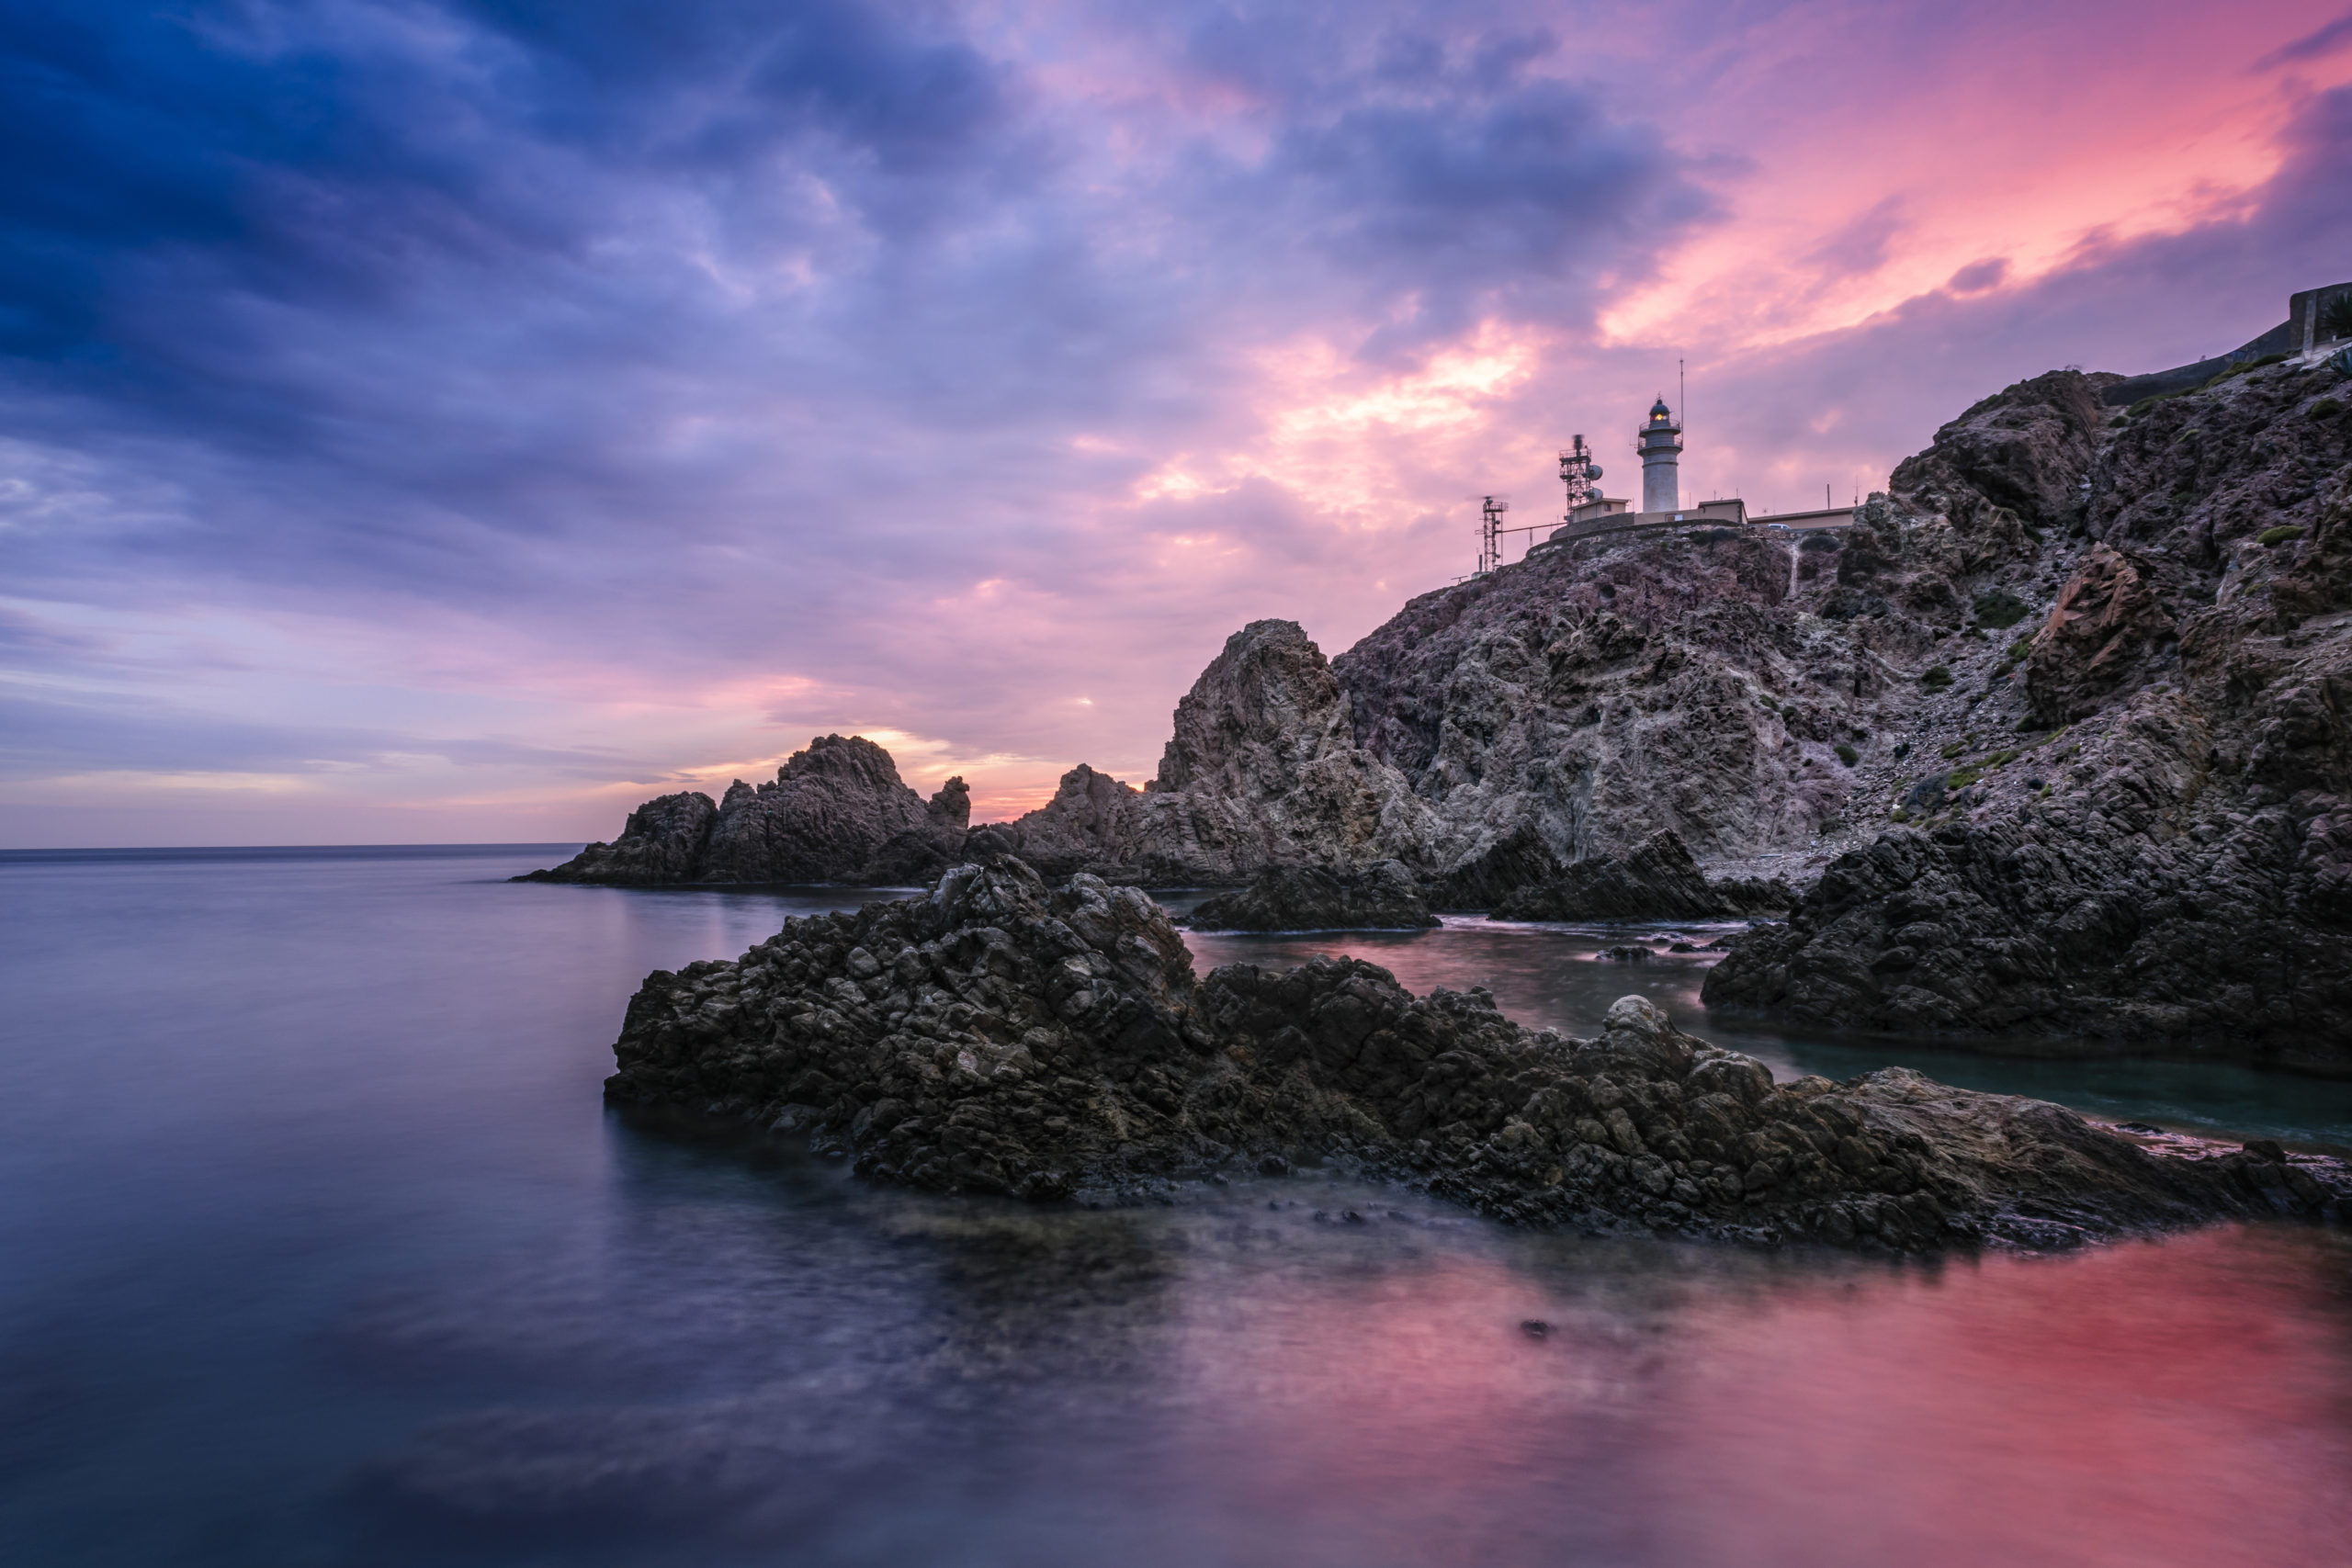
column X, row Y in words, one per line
column 581, row 414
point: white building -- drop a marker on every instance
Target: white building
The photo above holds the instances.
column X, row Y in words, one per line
column 1659, row 440
column 1661, row 443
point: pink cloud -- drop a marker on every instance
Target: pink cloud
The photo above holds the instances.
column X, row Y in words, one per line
column 646, row 446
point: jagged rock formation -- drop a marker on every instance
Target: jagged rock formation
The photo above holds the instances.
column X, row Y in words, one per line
column 1596, row 693
column 996, row 1036
column 1656, row 880
column 664, row 840
column 836, row 812
column 1382, row 897
column 2172, row 868
column 1521, row 858
column 1262, row 771
column 1757, row 694
column 2094, row 667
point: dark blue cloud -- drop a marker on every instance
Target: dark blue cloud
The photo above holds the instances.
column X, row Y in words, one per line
column 610, row 72
column 1419, row 153
column 1526, row 180
column 280, row 151
column 715, row 336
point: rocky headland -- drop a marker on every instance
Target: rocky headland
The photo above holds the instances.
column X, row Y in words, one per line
column 1261, row 770
column 1002, row 1036
column 2049, row 745
column 2128, row 822
column 835, row 812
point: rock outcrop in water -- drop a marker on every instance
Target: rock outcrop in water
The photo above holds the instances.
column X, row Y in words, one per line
column 836, row 812
column 1261, row 770
column 1382, row 897
column 1656, row 880
column 2053, row 739
column 997, row 1036
column 2144, row 831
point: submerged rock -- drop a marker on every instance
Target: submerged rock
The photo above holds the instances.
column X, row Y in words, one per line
column 999, row 1036
column 1382, row 896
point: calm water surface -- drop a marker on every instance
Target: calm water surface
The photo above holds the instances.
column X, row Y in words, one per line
column 319, row 1248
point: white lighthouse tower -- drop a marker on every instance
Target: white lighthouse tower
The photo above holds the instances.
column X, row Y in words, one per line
column 1662, row 446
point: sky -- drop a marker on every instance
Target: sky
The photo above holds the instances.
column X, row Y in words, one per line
column 435, row 421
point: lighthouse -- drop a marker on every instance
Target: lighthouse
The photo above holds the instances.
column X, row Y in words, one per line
column 1593, row 516
column 1661, row 446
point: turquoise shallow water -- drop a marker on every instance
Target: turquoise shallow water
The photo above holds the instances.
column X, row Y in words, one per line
column 320, row 1249
column 1551, row 975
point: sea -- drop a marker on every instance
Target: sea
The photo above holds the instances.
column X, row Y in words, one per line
column 319, row 1248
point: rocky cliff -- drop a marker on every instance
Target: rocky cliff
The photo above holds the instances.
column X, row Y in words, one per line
column 2139, row 829
column 1595, row 695
column 1001, row 1037
column 1262, row 770
column 2055, row 732
column 835, row 812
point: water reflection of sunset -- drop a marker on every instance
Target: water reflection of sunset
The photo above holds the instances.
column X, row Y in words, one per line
column 2183, row 1403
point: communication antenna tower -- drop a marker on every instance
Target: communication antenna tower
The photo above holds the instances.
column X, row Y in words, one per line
column 1580, row 474
column 1490, row 533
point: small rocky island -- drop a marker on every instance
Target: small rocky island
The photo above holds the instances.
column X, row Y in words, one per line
column 835, row 812
column 1001, row 1036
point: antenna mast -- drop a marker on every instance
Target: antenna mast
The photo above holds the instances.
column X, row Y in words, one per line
column 1490, row 533
column 1580, row 474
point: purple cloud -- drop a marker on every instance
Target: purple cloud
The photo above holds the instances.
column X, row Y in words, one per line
column 539, row 388
column 2313, row 45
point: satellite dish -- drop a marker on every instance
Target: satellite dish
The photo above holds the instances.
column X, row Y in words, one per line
column 1592, row 470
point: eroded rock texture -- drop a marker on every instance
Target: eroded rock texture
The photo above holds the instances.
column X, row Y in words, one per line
column 2066, row 708
column 835, row 812
column 1655, row 880
column 999, row 1036
column 1262, row 771
column 1762, row 696
column 1595, row 695
column 2146, row 839
column 1382, row 897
